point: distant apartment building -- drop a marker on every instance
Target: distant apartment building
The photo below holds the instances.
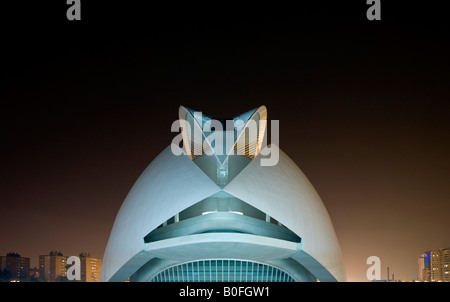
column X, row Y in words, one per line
column 18, row 267
column 90, row 268
column 440, row 265
column 434, row 266
column 52, row 267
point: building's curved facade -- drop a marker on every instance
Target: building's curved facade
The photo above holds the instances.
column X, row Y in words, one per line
column 217, row 214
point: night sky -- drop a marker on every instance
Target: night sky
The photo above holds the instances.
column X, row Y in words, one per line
column 363, row 108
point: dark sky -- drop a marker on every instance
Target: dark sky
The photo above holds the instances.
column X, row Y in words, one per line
column 363, row 109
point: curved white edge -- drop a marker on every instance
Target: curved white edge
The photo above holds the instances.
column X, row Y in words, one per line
column 160, row 248
column 284, row 192
column 166, row 187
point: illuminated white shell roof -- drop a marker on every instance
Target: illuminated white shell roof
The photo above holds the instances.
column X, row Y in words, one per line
column 172, row 183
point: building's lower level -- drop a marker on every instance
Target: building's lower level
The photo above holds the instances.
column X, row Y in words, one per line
column 222, row 270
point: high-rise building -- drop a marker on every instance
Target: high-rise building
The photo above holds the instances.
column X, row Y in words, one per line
column 52, row 267
column 18, row 267
column 424, row 266
column 440, row 265
column 90, row 268
column 224, row 207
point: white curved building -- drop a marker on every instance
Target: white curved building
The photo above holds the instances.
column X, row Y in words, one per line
column 214, row 213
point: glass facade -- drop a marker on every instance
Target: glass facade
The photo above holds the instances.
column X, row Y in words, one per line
column 222, row 270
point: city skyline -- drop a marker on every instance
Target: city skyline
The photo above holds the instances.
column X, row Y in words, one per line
column 53, row 267
column 423, row 269
column 85, row 110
